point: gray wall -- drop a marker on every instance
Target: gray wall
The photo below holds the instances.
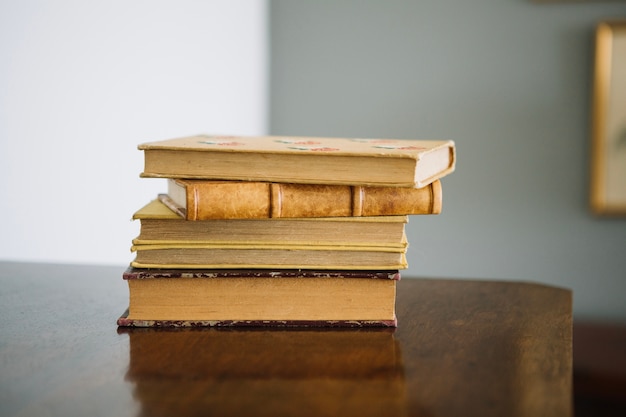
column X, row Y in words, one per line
column 510, row 82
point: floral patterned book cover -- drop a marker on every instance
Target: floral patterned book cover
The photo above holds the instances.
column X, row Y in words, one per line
column 350, row 161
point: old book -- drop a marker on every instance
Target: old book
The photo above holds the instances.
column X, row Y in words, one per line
column 206, row 199
column 232, row 297
column 159, row 224
column 263, row 256
column 369, row 162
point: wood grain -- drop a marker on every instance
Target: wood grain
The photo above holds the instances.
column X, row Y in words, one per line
column 462, row 347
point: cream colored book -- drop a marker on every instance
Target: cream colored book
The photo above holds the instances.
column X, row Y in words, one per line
column 283, row 256
column 305, row 160
column 232, row 297
column 160, row 225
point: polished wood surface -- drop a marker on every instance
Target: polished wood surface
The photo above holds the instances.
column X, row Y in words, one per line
column 462, row 347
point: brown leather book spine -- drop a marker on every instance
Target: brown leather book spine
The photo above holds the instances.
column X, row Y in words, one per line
column 382, row 201
column 227, row 200
column 300, row 200
column 247, row 200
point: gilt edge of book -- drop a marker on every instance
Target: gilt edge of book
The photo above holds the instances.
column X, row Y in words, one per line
column 151, row 273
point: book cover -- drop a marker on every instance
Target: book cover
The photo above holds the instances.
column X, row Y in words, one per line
column 226, row 298
column 307, row 160
column 205, row 200
column 159, row 224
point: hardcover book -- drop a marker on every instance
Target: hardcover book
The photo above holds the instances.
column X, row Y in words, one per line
column 285, row 256
column 232, row 297
column 305, row 160
column 205, row 199
column 160, row 225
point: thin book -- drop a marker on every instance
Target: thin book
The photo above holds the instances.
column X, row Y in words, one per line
column 160, row 225
column 212, row 199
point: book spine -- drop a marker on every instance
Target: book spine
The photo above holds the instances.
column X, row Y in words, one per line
column 241, row 200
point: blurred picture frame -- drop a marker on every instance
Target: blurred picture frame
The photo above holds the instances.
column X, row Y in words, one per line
column 608, row 145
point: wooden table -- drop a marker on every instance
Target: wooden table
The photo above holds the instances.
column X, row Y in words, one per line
column 462, row 348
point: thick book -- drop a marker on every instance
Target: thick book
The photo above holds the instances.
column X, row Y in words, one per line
column 303, row 160
column 159, row 224
column 206, row 199
column 267, row 256
column 231, row 297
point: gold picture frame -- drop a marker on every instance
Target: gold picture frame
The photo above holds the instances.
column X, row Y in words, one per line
column 608, row 150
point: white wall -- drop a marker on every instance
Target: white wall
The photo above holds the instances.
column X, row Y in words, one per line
column 83, row 83
column 510, row 82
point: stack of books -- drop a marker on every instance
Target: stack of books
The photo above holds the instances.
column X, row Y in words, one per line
column 279, row 231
